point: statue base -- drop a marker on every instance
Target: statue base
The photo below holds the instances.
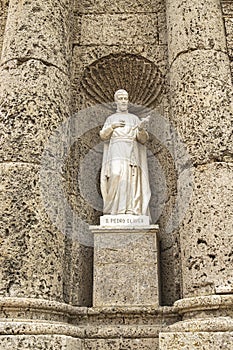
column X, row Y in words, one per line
column 125, row 265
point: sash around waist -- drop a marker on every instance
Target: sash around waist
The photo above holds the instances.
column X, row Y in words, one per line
column 122, row 138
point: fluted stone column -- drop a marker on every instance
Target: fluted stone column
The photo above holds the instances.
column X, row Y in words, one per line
column 200, row 95
column 34, row 100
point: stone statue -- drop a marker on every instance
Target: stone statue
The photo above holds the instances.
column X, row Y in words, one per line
column 124, row 175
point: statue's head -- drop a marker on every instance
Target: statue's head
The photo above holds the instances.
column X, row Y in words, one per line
column 121, row 98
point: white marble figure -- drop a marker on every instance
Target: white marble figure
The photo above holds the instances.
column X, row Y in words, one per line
column 124, row 175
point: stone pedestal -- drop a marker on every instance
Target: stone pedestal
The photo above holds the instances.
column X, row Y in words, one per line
column 125, row 266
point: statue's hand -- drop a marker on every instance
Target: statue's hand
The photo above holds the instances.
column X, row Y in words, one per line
column 143, row 123
column 119, row 124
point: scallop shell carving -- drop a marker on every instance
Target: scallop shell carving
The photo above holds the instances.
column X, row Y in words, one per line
column 139, row 76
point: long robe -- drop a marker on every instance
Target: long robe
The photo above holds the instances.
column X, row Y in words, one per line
column 124, row 175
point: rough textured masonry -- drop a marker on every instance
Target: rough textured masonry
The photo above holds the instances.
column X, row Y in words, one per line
column 61, row 61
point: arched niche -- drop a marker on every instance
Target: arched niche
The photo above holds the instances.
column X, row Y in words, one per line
column 134, row 73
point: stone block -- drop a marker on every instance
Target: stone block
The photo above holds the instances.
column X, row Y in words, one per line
column 194, row 26
column 32, row 249
column 122, row 344
column 39, row 342
column 201, row 94
column 3, row 17
column 115, row 29
column 39, row 30
column 140, row 344
column 206, row 232
column 125, row 267
column 229, row 34
column 80, row 270
column 41, row 253
column 34, row 101
column 196, row 340
column 170, row 274
column 119, row 6
column 162, row 27
column 104, row 344
column 86, row 55
column 204, row 313
column 227, row 8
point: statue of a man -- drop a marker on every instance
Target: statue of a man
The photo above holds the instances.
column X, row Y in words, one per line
column 124, row 175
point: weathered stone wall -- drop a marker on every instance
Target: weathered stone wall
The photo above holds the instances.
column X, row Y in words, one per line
column 38, row 342
column 3, row 16
column 227, row 9
column 35, row 99
column 54, row 55
column 210, row 340
column 106, row 28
